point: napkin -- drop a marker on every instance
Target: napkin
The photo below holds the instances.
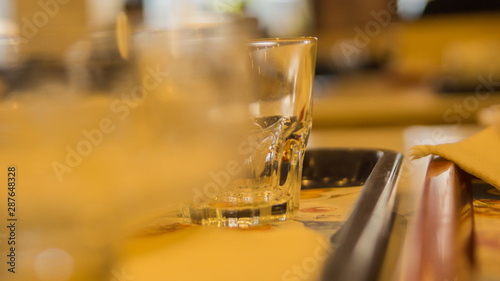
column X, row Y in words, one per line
column 478, row 155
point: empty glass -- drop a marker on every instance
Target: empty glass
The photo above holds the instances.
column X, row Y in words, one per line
column 262, row 183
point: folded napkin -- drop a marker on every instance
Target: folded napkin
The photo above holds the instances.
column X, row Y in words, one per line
column 478, row 155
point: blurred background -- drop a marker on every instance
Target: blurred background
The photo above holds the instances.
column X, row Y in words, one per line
column 380, row 62
column 383, row 66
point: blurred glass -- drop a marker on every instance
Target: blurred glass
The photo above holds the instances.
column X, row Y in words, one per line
column 108, row 133
column 262, row 184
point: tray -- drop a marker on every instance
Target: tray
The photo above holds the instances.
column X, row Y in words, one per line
column 361, row 242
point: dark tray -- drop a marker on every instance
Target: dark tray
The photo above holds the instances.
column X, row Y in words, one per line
column 361, row 243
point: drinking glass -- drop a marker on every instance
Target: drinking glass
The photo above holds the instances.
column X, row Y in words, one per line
column 104, row 135
column 261, row 184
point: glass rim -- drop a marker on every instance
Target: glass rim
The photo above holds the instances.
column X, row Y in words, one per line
column 276, row 41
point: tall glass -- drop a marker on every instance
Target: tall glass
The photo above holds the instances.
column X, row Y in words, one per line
column 262, row 183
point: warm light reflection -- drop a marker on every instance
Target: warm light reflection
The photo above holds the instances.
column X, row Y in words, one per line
column 123, row 35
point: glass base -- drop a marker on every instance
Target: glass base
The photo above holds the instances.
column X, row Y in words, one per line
column 244, row 216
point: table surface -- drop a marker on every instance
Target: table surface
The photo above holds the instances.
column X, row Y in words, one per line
column 193, row 253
